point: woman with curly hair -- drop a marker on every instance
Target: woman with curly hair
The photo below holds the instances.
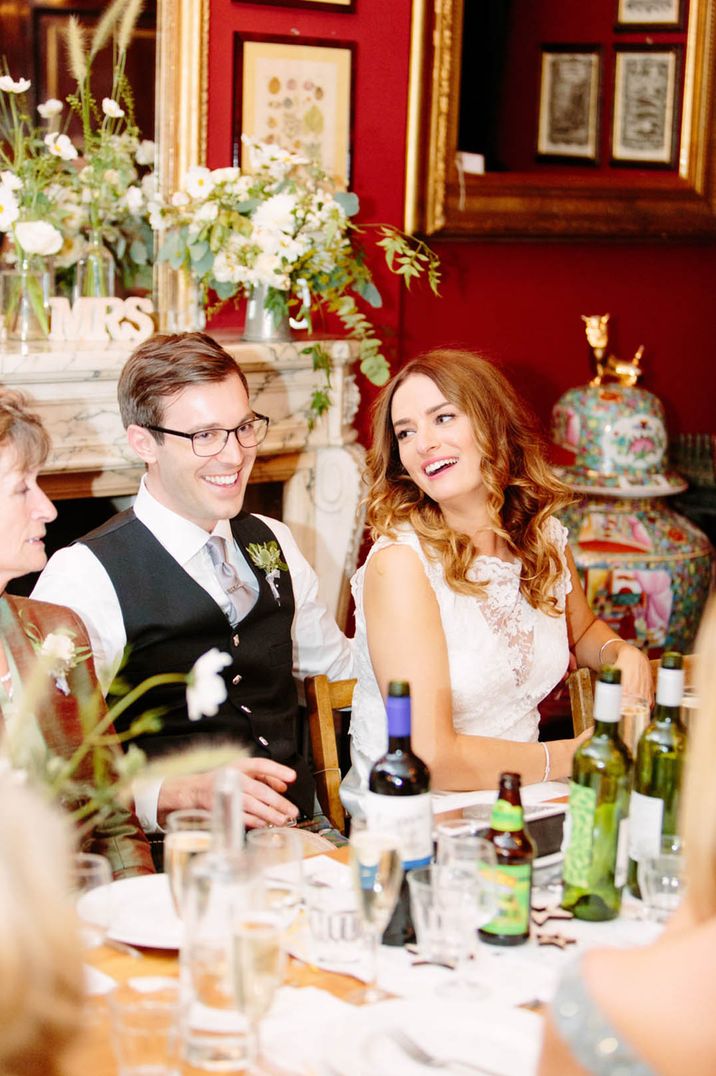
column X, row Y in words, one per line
column 470, row 591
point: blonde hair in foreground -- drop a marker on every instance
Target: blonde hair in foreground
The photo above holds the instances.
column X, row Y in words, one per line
column 699, row 817
column 522, row 491
column 41, row 977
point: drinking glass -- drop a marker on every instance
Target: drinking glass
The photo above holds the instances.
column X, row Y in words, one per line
column 377, row 872
column 275, row 858
column 258, row 962
column 661, row 880
column 188, row 834
column 92, row 879
column 449, row 833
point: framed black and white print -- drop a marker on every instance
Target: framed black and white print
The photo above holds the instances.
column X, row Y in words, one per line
column 649, row 14
column 568, row 119
column 646, row 105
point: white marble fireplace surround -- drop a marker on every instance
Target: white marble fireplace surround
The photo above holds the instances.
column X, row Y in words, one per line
column 74, row 387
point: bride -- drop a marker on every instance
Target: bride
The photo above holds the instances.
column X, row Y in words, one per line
column 470, row 591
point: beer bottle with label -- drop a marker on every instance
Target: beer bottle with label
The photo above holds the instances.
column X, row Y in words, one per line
column 398, row 800
column 595, row 860
column 658, row 769
column 513, row 874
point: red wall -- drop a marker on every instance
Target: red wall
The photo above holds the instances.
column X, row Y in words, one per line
column 520, row 303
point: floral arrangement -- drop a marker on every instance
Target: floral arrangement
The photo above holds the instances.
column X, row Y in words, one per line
column 282, row 225
column 26, row 754
column 55, row 199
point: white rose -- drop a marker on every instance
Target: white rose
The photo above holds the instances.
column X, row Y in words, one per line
column 134, row 199
column 198, row 182
column 59, row 648
column 145, row 152
column 276, row 213
column 51, row 107
column 60, row 145
column 11, row 181
column 111, row 108
column 7, row 84
column 205, row 689
column 179, row 198
column 38, row 237
column 207, row 212
column 9, row 209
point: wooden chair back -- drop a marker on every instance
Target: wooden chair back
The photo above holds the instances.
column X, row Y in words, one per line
column 581, row 691
column 323, row 698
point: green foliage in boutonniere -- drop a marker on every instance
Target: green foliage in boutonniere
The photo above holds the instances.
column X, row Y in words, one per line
column 267, row 557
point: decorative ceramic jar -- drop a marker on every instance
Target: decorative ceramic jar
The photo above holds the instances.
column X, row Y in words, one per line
column 646, row 570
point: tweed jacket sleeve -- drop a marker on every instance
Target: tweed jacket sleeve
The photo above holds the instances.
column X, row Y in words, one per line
column 119, row 837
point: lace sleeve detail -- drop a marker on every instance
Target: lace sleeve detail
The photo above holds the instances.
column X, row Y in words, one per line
column 558, row 534
column 589, row 1034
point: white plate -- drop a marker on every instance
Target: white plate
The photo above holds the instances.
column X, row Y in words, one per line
column 503, row 1039
column 142, row 912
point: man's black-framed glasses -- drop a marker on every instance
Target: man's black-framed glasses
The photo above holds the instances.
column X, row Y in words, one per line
column 249, row 434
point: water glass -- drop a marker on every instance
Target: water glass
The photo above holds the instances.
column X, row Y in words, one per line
column 145, row 1014
column 332, row 912
column 661, row 880
column 275, row 858
column 188, row 834
column 91, row 879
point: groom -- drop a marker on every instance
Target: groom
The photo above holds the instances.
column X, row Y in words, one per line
column 186, row 569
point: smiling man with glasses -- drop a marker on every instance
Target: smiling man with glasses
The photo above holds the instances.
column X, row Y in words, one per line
column 164, row 581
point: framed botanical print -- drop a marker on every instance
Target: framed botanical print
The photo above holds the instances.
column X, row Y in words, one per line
column 646, row 105
column 568, row 120
column 296, row 95
column 649, row 14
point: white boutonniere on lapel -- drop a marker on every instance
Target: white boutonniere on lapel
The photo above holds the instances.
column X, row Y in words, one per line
column 267, row 557
column 58, row 654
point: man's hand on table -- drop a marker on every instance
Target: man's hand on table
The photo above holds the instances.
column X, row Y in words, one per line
column 263, row 782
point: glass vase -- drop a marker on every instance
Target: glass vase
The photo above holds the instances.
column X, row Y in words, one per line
column 95, row 270
column 25, row 292
column 261, row 325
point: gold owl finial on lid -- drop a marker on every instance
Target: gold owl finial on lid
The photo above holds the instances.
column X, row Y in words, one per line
column 609, row 367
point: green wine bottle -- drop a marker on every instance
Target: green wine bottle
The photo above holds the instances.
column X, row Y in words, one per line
column 658, row 769
column 596, row 858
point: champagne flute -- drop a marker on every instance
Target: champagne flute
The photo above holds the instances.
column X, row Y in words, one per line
column 92, row 878
column 377, row 871
column 188, row 834
column 258, row 963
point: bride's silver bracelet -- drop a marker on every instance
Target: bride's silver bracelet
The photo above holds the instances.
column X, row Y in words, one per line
column 604, row 646
column 547, row 762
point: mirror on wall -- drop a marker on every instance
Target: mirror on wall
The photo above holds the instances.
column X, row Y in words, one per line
column 546, row 118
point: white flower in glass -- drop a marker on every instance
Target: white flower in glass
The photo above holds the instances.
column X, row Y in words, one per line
column 38, row 237
column 49, row 108
column 198, row 182
column 60, row 145
column 111, row 108
column 134, row 199
column 9, row 209
column 10, row 180
column 145, row 153
column 9, row 86
column 206, row 690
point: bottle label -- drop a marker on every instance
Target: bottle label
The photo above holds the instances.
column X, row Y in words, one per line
column 507, row 817
column 646, row 816
column 411, row 818
column 514, row 881
column 578, row 857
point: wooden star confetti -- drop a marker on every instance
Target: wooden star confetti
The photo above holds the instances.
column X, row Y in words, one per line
column 541, row 915
column 560, row 941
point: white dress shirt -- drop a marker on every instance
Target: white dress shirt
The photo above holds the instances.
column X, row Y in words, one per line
column 75, row 577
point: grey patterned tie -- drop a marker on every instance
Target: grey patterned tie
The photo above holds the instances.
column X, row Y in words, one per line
column 241, row 596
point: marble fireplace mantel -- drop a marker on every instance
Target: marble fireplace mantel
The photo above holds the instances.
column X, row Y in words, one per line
column 74, row 386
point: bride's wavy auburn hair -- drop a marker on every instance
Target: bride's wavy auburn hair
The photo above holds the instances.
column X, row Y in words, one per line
column 522, row 491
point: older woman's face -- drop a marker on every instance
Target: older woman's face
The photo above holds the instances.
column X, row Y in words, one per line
column 24, row 511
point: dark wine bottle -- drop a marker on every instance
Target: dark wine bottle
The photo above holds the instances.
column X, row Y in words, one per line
column 595, row 862
column 515, row 852
column 658, row 770
column 398, row 800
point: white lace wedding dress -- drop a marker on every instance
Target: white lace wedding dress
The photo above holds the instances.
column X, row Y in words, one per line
column 504, row 657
